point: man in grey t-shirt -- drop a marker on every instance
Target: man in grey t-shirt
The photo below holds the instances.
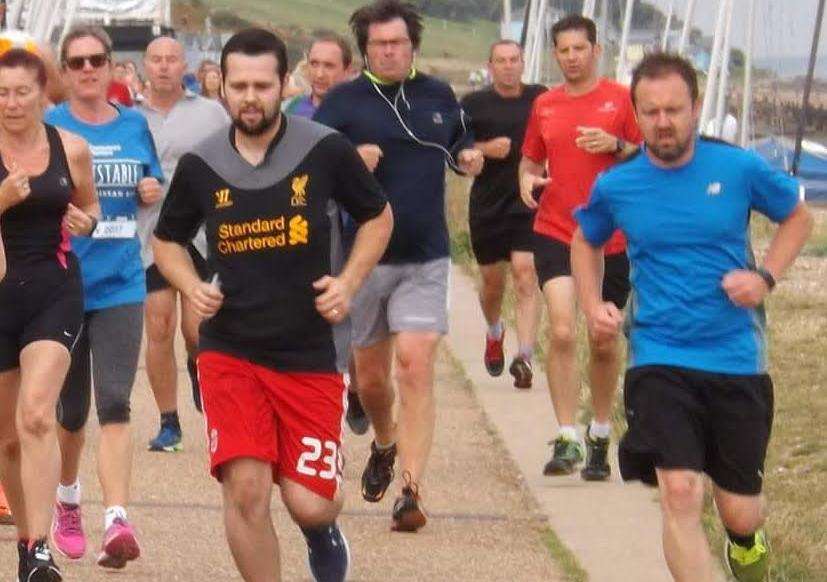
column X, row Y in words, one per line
column 178, row 120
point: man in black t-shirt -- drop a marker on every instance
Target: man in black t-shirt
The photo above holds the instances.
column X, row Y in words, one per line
column 501, row 225
column 274, row 340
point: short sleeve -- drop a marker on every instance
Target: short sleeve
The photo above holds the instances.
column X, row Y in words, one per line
column 181, row 214
column 153, row 166
column 534, row 147
column 773, row 193
column 357, row 191
column 595, row 218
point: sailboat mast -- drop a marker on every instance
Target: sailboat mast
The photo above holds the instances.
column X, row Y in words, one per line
column 746, row 103
column 687, row 26
column 808, row 85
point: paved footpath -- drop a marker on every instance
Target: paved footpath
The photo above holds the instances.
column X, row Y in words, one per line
column 613, row 529
column 483, row 523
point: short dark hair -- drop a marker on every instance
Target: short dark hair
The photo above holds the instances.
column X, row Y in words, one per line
column 660, row 64
column 24, row 59
column 575, row 22
column 255, row 42
column 503, row 42
column 338, row 40
column 383, row 11
column 83, row 31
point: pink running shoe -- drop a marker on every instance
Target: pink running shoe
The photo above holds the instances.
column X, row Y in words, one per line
column 67, row 531
column 119, row 545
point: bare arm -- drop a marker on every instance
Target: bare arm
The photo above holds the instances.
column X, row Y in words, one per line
column 587, row 263
column 788, row 241
column 747, row 288
column 496, row 149
column 531, row 177
column 372, row 237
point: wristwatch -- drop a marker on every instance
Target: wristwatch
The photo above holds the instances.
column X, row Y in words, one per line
column 621, row 145
column 766, row 276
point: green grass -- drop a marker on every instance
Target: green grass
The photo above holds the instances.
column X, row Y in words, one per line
column 564, row 557
column 443, row 39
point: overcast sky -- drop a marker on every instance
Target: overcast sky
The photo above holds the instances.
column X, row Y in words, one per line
column 783, row 27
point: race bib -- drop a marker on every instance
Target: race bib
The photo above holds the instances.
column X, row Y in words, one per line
column 121, row 228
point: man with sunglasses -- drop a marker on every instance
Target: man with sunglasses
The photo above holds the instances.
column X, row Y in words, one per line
column 127, row 173
column 407, row 125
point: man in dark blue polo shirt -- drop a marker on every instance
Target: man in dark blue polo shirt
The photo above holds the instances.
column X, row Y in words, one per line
column 407, row 125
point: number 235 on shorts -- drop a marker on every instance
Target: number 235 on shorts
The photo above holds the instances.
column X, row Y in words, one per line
column 291, row 420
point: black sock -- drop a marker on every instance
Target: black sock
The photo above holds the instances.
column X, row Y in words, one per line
column 328, row 552
column 744, row 541
column 170, row 419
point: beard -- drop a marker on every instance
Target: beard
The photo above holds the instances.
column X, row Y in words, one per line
column 262, row 126
column 670, row 153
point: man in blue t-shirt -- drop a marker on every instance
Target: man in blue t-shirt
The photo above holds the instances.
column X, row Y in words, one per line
column 698, row 397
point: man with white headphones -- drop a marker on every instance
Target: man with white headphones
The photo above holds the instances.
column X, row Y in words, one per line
column 407, row 126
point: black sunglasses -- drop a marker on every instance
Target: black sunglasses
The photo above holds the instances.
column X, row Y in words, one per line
column 77, row 63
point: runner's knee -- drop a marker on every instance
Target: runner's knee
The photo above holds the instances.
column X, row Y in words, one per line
column 160, row 327
column 561, row 337
column 682, row 494
column 36, row 420
column 112, row 408
column 247, row 495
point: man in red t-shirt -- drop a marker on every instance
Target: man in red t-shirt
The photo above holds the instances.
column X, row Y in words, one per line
column 576, row 131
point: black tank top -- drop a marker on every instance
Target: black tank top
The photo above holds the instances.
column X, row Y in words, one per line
column 32, row 230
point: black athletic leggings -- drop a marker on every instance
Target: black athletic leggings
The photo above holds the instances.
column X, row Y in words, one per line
column 107, row 351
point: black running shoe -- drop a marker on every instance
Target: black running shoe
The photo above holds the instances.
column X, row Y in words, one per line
column 41, row 565
column 567, row 454
column 378, row 473
column 22, row 561
column 521, row 370
column 356, row 418
column 408, row 515
column 597, row 466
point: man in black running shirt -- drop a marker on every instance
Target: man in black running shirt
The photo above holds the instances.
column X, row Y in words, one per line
column 274, row 344
column 501, row 225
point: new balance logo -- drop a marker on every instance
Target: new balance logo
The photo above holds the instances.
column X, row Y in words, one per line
column 608, row 107
column 222, row 198
column 714, row 189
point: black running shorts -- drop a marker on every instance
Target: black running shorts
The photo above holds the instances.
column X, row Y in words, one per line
column 552, row 259
column 155, row 281
column 718, row 424
column 494, row 240
column 38, row 302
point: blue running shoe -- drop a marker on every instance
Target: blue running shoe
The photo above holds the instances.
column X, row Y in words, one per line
column 167, row 441
column 328, row 555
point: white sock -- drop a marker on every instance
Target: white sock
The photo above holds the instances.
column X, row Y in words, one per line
column 600, row 430
column 568, row 433
column 69, row 494
column 495, row 331
column 111, row 514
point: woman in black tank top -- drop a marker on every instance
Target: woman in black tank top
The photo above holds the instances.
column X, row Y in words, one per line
column 46, row 192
